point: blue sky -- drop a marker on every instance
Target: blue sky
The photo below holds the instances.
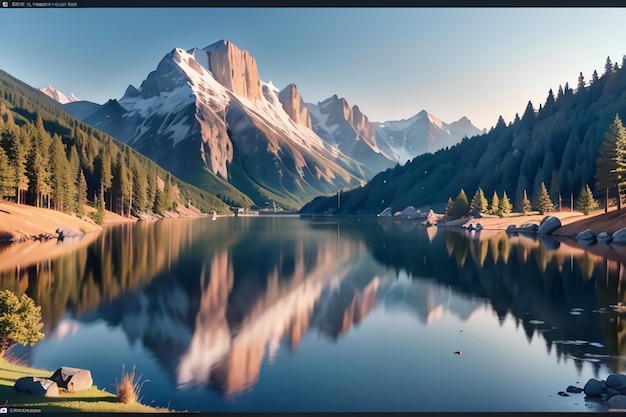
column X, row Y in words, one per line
column 392, row 63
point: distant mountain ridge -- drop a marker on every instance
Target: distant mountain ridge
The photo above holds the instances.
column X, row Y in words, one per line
column 205, row 115
column 557, row 145
column 423, row 133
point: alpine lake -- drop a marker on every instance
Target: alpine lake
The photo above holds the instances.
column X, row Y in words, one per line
column 285, row 313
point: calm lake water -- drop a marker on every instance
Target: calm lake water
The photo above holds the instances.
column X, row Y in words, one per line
column 289, row 314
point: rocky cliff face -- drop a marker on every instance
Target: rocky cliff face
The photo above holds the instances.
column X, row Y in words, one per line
column 363, row 127
column 233, row 68
column 294, row 105
column 350, row 131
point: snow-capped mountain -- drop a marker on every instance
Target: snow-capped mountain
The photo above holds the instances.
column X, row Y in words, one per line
column 349, row 131
column 423, row 133
column 57, row 95
column 205, row 115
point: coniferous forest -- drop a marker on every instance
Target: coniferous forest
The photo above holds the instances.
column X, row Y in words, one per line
column 556, row 143
column 50, row 159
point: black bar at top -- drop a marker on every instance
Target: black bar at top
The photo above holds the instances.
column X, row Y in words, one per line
column 307, row 3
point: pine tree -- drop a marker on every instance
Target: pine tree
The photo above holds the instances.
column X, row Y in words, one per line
column 21, row 159
column 20, row 321
column 505, row 207
column 610, row 171
column 140, row 186
column 585, row 201
column 594, row 77
column 61, row 179
column 39, row 164
column 104, row 172
column 544, row 203
column 567, row 91
column 479, row 203
column 608, row 66
column 525, row 206
column 461, row 204
column 548, row 109
column 7, row 176
column 82, row 193
column 581, row 82
column 495, row 204
column 529, row 113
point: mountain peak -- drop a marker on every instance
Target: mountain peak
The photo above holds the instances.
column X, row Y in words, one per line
column 294, row 105
column 232, row 67
column 57, row 95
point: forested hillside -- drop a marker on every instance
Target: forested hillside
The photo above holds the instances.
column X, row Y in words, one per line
column 50, row 159
column 557, row 143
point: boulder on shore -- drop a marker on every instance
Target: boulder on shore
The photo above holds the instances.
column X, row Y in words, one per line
column 42, row 387
column 586, row 235
column 619, row 236
column 604, row 237
column 72, row 379
column 410, row 212
column 548, row 225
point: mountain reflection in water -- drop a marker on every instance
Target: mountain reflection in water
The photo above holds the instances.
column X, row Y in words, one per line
column 213, row 301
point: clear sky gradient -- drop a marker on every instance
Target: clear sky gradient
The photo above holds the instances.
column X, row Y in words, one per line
column 392, row 63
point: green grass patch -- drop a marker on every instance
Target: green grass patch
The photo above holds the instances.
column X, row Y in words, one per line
column 91, row 400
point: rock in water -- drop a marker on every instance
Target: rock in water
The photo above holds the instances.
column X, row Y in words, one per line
column 548, row 225
column 574, row 390
column 42, row 387
column 610, row 392
column 617, row 402
column 617, row 382
column 594, row 388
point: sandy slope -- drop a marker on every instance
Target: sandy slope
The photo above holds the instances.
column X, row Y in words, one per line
column 21, row 222
column 571, row 222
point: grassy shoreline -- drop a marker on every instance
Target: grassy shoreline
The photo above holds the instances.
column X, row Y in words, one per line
column 91, row 400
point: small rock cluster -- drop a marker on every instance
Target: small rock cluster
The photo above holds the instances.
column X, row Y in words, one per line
column 547, row 226
column 588, row 237
column 613, row 390
column 71, row 379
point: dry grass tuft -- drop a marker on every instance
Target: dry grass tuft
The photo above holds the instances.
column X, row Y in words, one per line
column 128, row 387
